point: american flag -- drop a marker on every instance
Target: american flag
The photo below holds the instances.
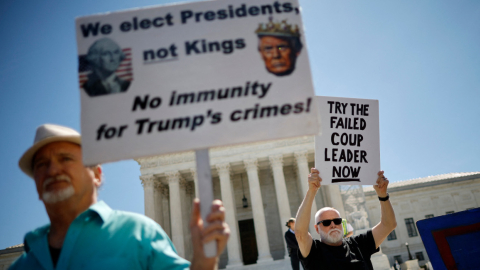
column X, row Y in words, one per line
column 124, row 71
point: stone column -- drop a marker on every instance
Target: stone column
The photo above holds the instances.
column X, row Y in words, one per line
column 276, row 162
column 303, row 171
column 158, row 201
column 233, row 245
column 166, row 210
column 186, row 214
column 176, row 212
column 193, row 171
column 258, row 213
column 189, row 191
column 148, row 191
column 190, row 187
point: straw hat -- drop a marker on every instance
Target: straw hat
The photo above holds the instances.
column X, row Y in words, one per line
column 46, row 134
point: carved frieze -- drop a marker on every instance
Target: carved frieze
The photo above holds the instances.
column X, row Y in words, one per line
column 173, row 176
column 250, row 164
column 147, row 180
column 223, row 168
column 165, row 191
column 189, row 188
column 276, row 160
column 301, row 156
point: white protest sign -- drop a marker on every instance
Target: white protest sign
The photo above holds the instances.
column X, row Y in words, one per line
column 191, row 76
column 347, row 151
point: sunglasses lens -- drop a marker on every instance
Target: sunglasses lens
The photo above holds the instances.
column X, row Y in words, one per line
column 327, row 222
column 336, row 221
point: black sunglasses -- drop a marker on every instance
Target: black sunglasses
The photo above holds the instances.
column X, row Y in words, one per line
column 327, row 222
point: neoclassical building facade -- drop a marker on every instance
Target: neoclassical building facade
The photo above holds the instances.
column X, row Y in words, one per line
column 422, row 198
column 259, row 184
column 262, row 185
column 9, row 255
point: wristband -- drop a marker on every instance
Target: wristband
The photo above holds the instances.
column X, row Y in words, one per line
column 384, row 198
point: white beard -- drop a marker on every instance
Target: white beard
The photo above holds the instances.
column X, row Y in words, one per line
column 331, row 238
column 56, row 196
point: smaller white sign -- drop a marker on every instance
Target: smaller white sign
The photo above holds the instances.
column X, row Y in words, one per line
column 347, row 151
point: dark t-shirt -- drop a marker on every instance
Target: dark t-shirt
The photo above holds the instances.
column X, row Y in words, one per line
column 354, row 253
column 55, row 253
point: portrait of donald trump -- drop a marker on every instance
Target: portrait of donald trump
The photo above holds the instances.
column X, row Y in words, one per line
column 279, row 46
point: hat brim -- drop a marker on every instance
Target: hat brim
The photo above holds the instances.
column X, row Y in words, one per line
column 25, row 162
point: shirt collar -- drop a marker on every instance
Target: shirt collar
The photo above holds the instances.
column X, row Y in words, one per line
column 291, row 231
column 102, row 209
column 37, row 242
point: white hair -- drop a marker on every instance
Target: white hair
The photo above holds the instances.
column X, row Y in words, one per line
column 104, row 44
column 51, row 197
column 56, row 196
column 324, row 209
column 329, row 238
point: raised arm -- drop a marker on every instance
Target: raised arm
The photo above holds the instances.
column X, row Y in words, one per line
column 387, row 222
column 304, row 238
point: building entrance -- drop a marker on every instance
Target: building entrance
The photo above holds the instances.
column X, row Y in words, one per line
column 248, row 241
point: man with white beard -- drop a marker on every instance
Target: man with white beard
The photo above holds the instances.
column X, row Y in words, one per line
column 85, row 233
column 333, row 251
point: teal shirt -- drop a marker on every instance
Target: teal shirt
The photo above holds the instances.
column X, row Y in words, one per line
column 102, row 238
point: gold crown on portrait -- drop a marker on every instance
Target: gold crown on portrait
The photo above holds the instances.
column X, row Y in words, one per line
column 277, row 29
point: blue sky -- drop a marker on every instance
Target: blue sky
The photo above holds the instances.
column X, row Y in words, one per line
column 420, row 59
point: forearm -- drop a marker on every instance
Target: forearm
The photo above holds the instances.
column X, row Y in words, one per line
column 388, row 215
column 387, row 221
column 304, row 212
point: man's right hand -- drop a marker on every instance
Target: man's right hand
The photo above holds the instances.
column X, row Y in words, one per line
column 314, row 180
column 215, row 229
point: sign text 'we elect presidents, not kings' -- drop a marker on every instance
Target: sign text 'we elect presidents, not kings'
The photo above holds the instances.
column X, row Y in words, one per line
column 183, row 77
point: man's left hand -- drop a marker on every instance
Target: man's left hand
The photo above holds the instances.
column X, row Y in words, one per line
column 381, row 186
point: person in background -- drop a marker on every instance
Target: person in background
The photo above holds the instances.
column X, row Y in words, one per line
column 292, row 245
column 347, row 229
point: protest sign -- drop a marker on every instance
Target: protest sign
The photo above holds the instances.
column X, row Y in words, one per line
column 347, row 151
column 191, row 76
column 451, row 241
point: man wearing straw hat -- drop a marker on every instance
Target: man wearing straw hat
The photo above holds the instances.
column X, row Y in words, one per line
column 85, row 233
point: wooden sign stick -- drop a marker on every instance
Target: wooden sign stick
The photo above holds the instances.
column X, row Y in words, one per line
column 205, row 192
